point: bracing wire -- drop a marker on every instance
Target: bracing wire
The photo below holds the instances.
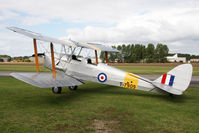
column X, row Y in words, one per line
column 39, row 48
column 41, row 45
column 89, row 53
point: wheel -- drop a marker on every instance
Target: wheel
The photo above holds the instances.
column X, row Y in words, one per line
column 57, row 90
column 72, row 88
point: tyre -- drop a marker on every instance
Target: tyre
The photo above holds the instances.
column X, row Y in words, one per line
column 72, row 88
column 57, row 90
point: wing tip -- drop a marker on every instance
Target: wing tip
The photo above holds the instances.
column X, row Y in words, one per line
column 11, row 28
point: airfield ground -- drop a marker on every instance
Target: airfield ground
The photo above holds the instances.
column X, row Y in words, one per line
column 137, row 68
column 95, row 108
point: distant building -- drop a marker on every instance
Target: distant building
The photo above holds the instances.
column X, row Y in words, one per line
column 175, row 58
column 5, row 59
column 40, row 59
column 194, row 60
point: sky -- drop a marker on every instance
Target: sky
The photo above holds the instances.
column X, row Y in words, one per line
column 110, row 22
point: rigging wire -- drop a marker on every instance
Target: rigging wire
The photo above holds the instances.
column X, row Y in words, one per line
column 41, row 45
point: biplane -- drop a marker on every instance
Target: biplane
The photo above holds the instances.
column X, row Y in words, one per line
column 68, row 70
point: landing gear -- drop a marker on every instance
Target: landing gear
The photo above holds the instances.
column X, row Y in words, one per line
column 57, row 90
column 72, row 88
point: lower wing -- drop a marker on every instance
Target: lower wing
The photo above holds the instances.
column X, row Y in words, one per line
column 45, row 79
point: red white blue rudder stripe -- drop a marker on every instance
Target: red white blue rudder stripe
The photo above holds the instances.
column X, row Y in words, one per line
column 168, row 79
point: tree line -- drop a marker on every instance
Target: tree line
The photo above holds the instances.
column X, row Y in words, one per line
column 132, row 53
column 136, row 53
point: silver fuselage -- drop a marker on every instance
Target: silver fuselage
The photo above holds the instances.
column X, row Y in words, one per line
column 94, row 72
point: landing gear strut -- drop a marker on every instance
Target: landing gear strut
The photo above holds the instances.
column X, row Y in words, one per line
column 72, row 88
column 57, row 90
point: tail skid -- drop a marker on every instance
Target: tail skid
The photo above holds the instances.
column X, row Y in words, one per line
column 175, row 81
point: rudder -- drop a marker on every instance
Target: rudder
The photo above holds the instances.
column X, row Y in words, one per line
column 176, row 80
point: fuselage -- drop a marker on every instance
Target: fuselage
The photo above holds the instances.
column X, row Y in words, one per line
column 100, row 73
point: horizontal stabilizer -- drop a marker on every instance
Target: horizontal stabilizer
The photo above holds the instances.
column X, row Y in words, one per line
column 46, row 80
column 168, row 89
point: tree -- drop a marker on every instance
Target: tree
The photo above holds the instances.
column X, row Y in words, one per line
column 138, row 52
column 188, row 56
column 26, row 60
column 161, row 52
column 112, row 55
column 119, row 55
column 150, row 50
column 127, row 53
column 143, row 53
column 102, row 56
column 133, row 55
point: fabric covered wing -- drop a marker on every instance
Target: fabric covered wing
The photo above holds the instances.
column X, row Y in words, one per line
column 45, row 79
column 41, row 37
column 94, row 46
column 69, row 42
column 103, row 47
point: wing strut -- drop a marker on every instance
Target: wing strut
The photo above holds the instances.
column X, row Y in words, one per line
column 106, row 55
column 96, row 57
column 36, row 55
column 53, row 60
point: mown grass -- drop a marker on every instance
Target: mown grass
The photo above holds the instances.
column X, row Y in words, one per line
column 25, row 68
column 24, row 108
column 132, row 69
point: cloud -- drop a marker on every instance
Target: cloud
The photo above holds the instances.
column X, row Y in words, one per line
column 36, row 20
column 173, row 22
column 7, row 14
column 14, row 44
column 176, row 28
column 148, row 27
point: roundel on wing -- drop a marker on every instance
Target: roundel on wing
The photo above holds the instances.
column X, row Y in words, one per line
column 102, row 77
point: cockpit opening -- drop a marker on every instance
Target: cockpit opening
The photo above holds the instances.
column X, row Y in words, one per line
column 74, row 57
column 89, row 61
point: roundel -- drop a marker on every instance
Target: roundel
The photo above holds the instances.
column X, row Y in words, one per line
column 102, row 77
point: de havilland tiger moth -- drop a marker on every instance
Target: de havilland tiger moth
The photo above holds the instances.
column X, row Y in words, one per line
column 68, row 70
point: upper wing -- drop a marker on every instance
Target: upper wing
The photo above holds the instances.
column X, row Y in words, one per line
column 41, row 37
column 95, row 46
column 69, row 42
column 103, row 47
column 45, row 79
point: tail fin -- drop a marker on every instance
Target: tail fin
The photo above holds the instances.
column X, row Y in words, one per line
column 175, row 81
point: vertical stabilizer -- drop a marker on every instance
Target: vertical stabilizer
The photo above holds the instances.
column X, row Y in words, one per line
column 175, row 81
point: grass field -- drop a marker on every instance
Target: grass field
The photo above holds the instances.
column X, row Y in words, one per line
column 95, row 108
column 132, row 69
column 25, row 68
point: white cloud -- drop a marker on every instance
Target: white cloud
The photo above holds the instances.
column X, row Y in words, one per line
column 149, row 27
column 173, row 22
column 176, row 28
column 14, row 44
column 31, row 21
